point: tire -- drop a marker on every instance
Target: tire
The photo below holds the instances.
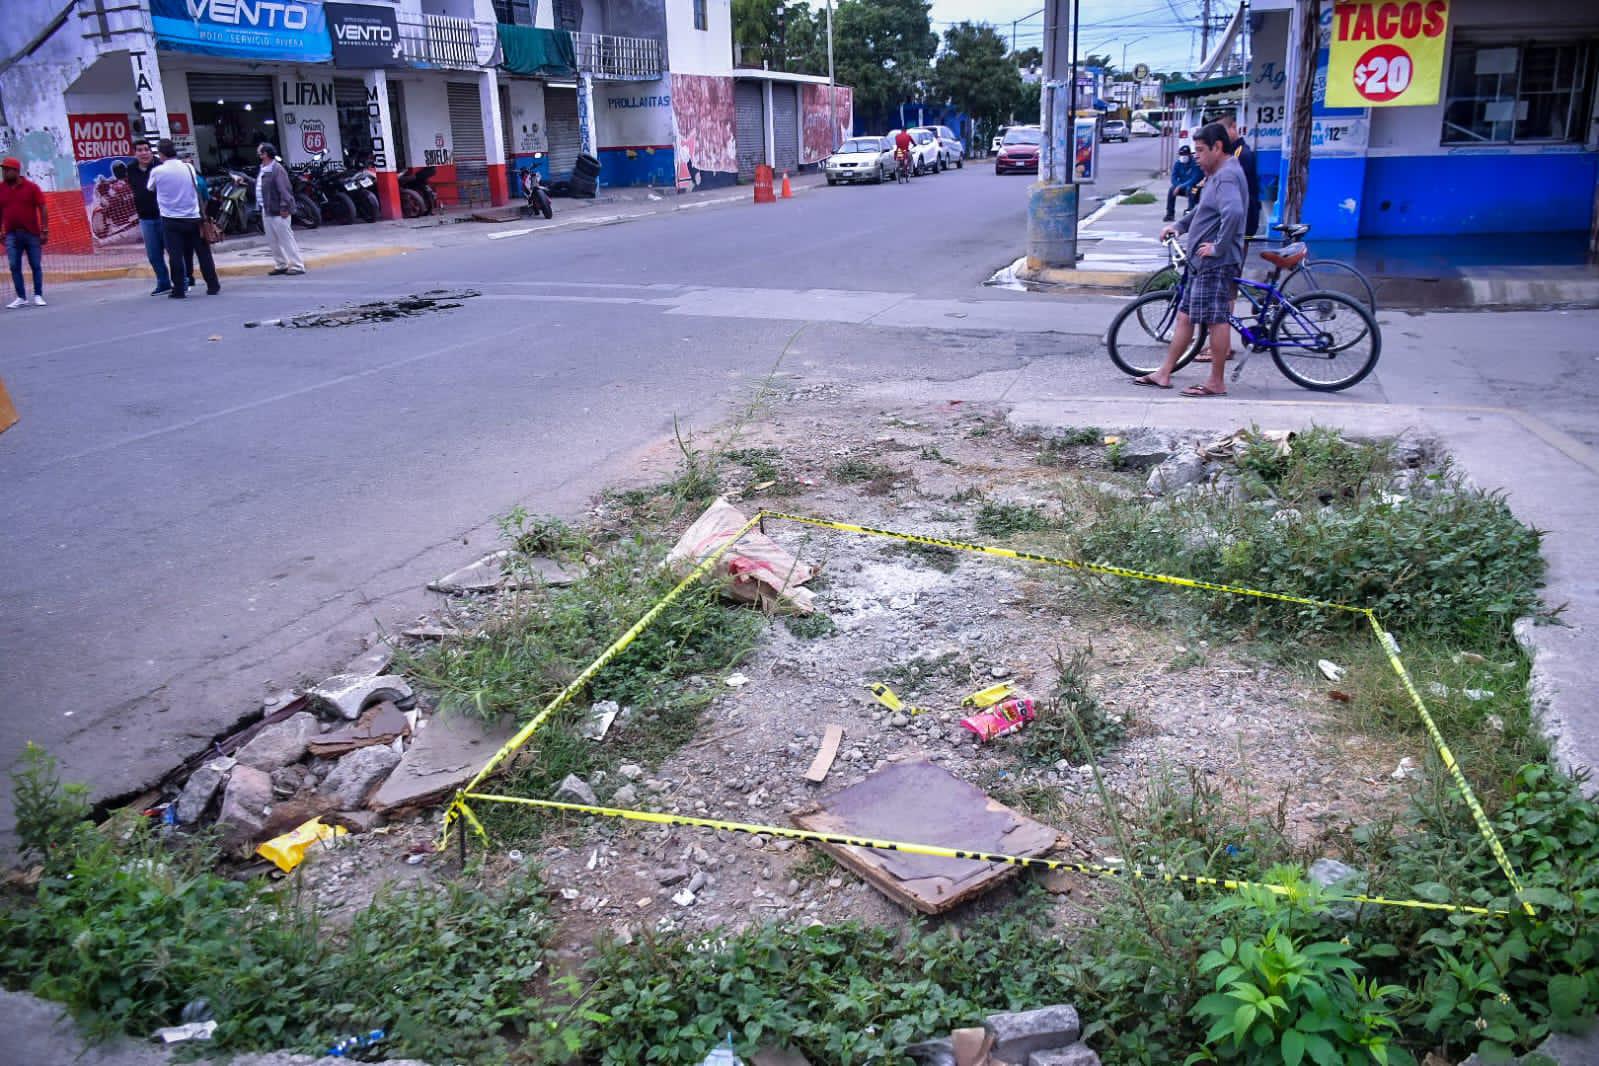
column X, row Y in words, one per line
column 367, row 206
column 306, row 213
column 960, row 164
column 878, row 178
column 830, row 181
column 341, row 209
column 1330, row 275
column 546, row 206
column 1342, row 351
column 1141, row 332
column 411, row 204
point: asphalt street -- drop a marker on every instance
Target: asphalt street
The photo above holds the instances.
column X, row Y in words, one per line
column 199, row 513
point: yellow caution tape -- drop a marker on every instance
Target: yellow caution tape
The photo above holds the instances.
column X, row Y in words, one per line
column 1135, row 873
column 459, row 809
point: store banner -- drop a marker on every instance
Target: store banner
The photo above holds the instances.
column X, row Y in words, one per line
column 364, row 37
column 102, row 145
column 291, row 30
column 1385, row 53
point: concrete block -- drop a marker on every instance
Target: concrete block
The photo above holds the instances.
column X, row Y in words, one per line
column 348, row 695
column 1017, row 1034
column 280, row 743
column 446, row 751
column 933, row 1052
column 357, row 774
column 200, row 789
column 1076, row 1055
column 245, row 803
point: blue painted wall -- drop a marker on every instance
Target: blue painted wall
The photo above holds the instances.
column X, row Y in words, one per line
column 1453, row 194
column 638, row 166
column 1331, row 187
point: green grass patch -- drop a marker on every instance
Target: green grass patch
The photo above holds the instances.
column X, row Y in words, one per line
column 1139, row 197
column 855, row 470
column 1009, row 519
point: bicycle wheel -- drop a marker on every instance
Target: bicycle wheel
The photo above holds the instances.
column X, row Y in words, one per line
column 1325, row 341
column 1141, row 333
column 1331, row 275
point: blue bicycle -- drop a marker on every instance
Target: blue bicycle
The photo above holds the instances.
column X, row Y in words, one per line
column 1324, row 340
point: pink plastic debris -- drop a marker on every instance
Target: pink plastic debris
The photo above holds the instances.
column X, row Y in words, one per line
column 1002, row 718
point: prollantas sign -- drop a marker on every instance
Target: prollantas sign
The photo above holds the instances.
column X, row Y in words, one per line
column 364, row 37
column 294, row 30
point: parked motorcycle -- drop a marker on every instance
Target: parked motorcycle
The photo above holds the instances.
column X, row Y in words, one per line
column 417, row 197
column 325, row 185
column 309, row 198
column 231, row 204
column 538, row 197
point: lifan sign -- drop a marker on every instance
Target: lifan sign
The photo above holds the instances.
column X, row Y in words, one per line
column 1386, row 53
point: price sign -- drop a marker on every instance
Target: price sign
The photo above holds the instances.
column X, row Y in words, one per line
column 1386, row 53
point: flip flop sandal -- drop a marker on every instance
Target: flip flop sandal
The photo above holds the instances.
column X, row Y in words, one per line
column 1149, row 383
column 1201, row 390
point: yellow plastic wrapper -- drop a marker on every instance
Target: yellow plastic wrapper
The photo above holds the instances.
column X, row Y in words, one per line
column 288, row 851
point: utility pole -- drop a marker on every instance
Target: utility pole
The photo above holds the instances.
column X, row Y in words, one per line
column 832, row 83
column 1204, row 32
column 1052, row 201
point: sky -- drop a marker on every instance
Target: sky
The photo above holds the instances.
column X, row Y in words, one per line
column 1162, row 33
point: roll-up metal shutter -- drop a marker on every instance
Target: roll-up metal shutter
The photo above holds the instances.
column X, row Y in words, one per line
column 750, row 115
column 560, row 124
column 247, row 87
column 467, row 142
column 785, row 129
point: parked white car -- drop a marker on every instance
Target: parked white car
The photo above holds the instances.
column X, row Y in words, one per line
column 861, row 159
column 951, row 151
column 924, row 152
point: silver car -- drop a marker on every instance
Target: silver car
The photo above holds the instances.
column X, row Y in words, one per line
column 951, row 151
column 861, row 159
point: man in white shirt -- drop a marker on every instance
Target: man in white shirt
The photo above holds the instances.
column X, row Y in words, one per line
column 177, row 194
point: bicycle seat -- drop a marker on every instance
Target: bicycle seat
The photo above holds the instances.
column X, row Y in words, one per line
column 1291, row 230
column 1291, row 256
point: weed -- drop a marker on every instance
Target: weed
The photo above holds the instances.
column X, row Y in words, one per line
column 931, row 453
column 1033, row 798
column 1008, row 519
column 1073, row 726
column 542, row 535
column 817, row 865
column 854, row 470
column 1113, row 455
column 813, row 626
column 1055, row 450
column 48, row 813
column 1320, row 467
column 967, row 495
column 760, row 462
column 941, row 559
column 915, row 676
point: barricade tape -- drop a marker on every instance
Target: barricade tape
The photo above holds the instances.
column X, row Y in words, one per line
column 459, row 808
column 1135, row 873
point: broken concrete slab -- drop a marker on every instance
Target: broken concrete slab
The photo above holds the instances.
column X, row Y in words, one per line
column 1017, row 1034
column 382, row 723
column 357, row 774
column 246, row 803
column 374, row 660
column 443, row 756
column 347, row 695
column 504, row 570
column 357, row 821
column 933, row 1052
column 1076, row 1055
column 279, row 744
column 925, row 804
column 201, row 789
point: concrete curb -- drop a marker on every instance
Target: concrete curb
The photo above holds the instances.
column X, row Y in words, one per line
column 231, row 270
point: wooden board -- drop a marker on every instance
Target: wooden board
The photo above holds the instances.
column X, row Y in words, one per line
column 831, row 739
column 920, row 803
column 8, row 410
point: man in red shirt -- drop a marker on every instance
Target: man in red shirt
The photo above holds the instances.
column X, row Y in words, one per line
column 26, row 227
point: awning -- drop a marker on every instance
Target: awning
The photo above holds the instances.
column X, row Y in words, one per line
column 545, row 53
column 1208, row 85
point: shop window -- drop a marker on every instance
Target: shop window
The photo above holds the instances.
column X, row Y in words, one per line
column 514, row 12
column 1522, row 93
column 701, row 20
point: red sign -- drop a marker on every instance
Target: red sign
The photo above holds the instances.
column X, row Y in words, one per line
column 179, row 124
column 313, row 135
column 100, row 137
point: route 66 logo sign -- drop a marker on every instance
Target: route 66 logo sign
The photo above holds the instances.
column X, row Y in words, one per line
column 313, row 135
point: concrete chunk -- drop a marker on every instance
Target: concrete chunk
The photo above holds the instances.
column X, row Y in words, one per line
column 447, row 751
column 280, row 743
column 1177, row 472
column 1017, row 1034
column 574, row 789
column 933, row 1052
column 200, row 789
column 502, row 570
column 1076, row 1055
column 357, row 774
column 348, row 695
column 246, row 803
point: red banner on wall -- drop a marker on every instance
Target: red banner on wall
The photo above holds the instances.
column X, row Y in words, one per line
column 100, row 137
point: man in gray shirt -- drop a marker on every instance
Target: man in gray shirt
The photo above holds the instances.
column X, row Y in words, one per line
column 1215, row 245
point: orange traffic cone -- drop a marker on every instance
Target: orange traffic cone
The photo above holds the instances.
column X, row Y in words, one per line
column 788, row 193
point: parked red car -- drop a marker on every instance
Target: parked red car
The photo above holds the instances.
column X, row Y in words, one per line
column 1018, row 152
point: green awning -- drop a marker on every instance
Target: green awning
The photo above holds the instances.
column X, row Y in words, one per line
column 545, row 53
column 1209, row 85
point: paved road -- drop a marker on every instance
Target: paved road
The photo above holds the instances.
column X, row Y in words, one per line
column 198, row 513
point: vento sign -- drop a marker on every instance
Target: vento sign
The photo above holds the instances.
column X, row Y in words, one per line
column 1385, row 53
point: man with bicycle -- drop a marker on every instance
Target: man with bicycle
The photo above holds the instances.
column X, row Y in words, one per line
column 1214, row 241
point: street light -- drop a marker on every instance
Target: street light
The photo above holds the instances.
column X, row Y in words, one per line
column 1135, row 40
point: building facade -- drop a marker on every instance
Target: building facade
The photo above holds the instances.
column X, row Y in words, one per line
column 475, row 89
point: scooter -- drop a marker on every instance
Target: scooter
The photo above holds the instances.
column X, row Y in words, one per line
column 538, row 197
column 417, row 197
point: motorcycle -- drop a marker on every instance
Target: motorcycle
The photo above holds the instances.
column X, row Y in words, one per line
column 232, row 203
column 538, row 197
column 113, row 209
column 361, row 183
column 308, row 198
column 328, row 189
column 417, row 197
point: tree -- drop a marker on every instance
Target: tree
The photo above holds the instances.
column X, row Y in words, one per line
column 881, row 48
column 976, row 75
column 1029, row 57
column 757, row 34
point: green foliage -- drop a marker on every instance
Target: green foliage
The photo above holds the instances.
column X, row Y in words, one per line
column 1139, row 197
column 813, row 626
column 542, row 535
column 1321, row 467
column 944, row 560
column 975, row 74
column 1073, row 726
column 1008, row 519
column 854, row 470
column 126, row 928
column 48, row 813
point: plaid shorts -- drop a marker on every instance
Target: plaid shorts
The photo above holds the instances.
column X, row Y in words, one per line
column 1208, row 296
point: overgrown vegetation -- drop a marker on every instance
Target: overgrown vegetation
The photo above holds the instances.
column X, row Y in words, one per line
column 1074, row 726
column 126, row 928
column 1008, row 519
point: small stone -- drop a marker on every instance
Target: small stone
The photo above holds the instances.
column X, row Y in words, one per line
column 625, row 796
column 998, row 671
column 245, row 803
column 736, row 680
column 631, row 771
column 782, row 844
column 792, row 888
column 697, row 882
column 899, row 721
column 685, row 898
column 414, row 860
column 1075, row 1055
column 1494, row 722
column 835, row 882
column 1406, row 769
column 672, row 875
column 288, row 780
column 573, row 789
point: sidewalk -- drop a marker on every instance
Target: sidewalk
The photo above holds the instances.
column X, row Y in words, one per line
column 1118, row 247
column 329, row 246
